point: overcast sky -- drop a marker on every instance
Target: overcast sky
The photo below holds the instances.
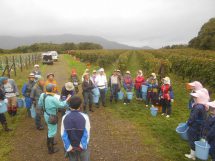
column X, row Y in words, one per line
column 135, row 22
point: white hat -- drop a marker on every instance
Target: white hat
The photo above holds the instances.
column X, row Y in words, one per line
column 154, row 75
column 101, row 70
column 94, row 71
column 202, row 96
column 128, row 72
column 36, row 65
column 211, row 104
column 197, row 85
column 118, row 70
column 31, row 75
column 166, row 80
column 69, row 86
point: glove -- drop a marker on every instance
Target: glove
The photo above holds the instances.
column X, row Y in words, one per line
column 172, row 100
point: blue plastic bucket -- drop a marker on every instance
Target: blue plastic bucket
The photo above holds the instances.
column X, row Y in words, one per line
column 120, row 95
column 95, row 99
column 182, row 130
column 3, row 106
column 129, row 95
column 154, row 111
column 20, row 102
column 33, row 112
column 144, row 88
column 96, row 91
column 202, row 149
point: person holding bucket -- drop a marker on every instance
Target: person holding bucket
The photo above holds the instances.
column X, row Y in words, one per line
column 11, row 92
column 139, row 80
column 36, row 91
column 26, row 92
column 152, row 92
column 3, row 108
column 166, row 97
column 209, row 129
column 195, row 122
column 87, row 87
column 128, row 86
column 114, row 83
column 50, row 106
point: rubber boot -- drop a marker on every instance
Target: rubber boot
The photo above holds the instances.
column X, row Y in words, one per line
column 5, row 127
column 191, row 155
column 91, row 108
column 51, row 147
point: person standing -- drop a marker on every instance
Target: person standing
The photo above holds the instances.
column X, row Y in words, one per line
column 3, row 108
column 114, row 84
column 51, row 80
column 50, row 105
column 152, row 93
column 139, row 80
column 101, row 81
column 75, row 80
column 166, row 97
column 37, row 71
column 75, row 132
column 93, row 77
column 11, row 91
column 26, row 92
column 128, row 85
column 195, row 122
column 87, row 87
column 36, row 91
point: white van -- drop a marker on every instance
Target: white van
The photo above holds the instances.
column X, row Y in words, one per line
column 54, row 55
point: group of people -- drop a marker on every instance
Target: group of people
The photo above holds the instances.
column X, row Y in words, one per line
column 201, row 121
column 46, row 99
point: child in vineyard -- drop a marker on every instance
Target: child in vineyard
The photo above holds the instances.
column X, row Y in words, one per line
column 75, row 80
column 26, row 92
column 209, row 129
column 128, row 85
column 11, row 91
column 3, row 107
column 195, row 122
column 139, row 81
column 114, row 83
column 194, row 86
column 152, row 93
column 166, row 96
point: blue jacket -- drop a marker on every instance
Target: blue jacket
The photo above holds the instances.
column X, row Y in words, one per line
column 75, row 130
column 209, row 130
column 197, row 117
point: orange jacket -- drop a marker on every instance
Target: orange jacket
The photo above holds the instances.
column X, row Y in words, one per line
column 54, row 82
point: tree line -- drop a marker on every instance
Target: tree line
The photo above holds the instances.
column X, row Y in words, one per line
column 40, row 47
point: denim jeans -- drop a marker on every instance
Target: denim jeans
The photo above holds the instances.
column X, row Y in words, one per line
column 102, row 96
column 114, row 91
column 79, row 155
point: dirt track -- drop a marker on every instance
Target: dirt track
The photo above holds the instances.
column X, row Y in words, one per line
column 112, row 138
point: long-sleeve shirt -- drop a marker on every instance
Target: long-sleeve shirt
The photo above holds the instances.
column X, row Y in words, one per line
column 65, row 93
column 87, row 86
column 10, row 88
column 35, row 93
column 209, row 129
column 54, row 82
column 52, row 104
column 75, row 130
column 101, row 81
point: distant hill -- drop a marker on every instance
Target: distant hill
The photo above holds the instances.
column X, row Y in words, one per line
column 206, row 37
column 10, row 42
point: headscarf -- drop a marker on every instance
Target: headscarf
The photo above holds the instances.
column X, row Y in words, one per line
column 196, row 85
column 2, row 79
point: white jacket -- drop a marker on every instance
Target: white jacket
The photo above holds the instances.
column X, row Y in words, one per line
column 101, row 81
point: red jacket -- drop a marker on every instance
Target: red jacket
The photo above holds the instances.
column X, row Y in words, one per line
column 139, row 80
